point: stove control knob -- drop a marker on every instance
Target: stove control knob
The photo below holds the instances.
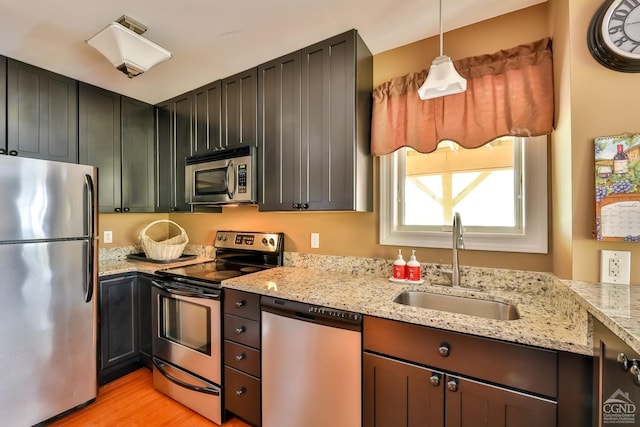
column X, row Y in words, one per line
column 222, row 238
column 265, row 241
column 272, row 242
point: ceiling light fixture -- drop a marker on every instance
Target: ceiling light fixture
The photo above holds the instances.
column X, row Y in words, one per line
column 121, row 43
column 443, row 79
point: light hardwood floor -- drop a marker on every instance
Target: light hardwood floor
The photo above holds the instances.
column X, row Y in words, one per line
column 132, row 401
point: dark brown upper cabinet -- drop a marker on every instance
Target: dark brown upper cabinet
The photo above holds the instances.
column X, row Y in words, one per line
column 117, row 136
column 42, row 113
column 239, row 109
column 314, row 115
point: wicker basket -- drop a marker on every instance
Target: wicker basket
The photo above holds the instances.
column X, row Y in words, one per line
column 167, row 249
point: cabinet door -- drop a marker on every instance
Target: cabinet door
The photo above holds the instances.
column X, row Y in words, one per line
column 239, row 109
column 173, row 145
column 279, row 133
column 145, row 320
column 137, row 156
column 207, row 114
column 165, row 166
column 328, row 124
column 3, row 106
column 182, row 147
column 398, row 394
column 471, row 403
column 99, row 126
column 118, row 325
column 42, row 114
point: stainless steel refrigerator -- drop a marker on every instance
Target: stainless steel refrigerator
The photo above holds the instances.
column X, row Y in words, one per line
column 48, row 271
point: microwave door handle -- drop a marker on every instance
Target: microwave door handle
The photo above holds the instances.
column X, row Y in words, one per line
column 230, row 180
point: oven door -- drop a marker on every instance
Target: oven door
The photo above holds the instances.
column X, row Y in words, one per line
column 187, row 328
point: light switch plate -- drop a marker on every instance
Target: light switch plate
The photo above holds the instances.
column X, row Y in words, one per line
column 108, row 237
column 615, row 267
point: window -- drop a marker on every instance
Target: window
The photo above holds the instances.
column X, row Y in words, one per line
column 499, row 189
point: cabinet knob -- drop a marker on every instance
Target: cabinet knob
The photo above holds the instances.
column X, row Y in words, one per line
column 240, row 330
column 452, row 384
column 173, row 209
column 241, row 303
column 118, row 210
column 304, row 206
column 241, row 356
column 3, row 151
column 126, row 209
column 241, row 391
column 13, row 153
column 444, row 349
column 435, row 380
column 296, row 206
column 624, row 361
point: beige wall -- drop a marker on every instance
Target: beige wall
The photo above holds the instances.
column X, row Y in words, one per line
column 588, row 104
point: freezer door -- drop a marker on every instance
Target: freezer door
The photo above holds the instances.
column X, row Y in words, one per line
column 47, row 330
column 41, row 199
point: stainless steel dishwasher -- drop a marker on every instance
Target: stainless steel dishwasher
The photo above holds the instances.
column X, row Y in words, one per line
column 311, row 365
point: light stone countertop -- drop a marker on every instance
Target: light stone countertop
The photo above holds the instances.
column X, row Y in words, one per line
column 554, row 313
column 615, row 306
column 549, row 317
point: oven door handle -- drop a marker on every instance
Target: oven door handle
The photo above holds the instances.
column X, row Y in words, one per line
column 209, row 390
column 185, row 293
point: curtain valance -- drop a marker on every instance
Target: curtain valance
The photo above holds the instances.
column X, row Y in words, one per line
column 509, row 92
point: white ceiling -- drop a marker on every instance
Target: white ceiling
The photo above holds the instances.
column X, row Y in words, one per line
column 214, row 39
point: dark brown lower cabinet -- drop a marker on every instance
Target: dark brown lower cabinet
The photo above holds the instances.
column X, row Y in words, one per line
column 417, row 376
column 397, row 394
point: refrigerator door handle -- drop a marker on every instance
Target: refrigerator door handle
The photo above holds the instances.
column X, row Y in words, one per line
column 90, row 220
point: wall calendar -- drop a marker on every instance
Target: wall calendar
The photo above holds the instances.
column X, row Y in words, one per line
column 617, row 182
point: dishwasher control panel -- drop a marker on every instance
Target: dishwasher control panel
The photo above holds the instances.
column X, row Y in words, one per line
column 312, row 313
column 332, row 312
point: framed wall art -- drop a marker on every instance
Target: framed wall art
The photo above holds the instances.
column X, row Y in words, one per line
column 617, row 188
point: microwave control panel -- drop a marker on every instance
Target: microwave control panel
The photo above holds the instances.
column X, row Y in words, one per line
column 242, row 178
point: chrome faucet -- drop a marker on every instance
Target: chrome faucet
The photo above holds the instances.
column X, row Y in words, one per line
column 458, row 243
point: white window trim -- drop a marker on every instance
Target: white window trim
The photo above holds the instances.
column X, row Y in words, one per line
column 533, row 239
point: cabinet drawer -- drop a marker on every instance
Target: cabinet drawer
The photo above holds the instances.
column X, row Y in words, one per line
column 243, row 304
column 242, row 395
column 241, row 330
column 243, row 358
column 514, row 365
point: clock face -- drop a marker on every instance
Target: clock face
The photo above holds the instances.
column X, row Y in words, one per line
column 621, row 28
column 614, row 35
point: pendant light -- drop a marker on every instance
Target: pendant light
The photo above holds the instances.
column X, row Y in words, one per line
column 443, row 79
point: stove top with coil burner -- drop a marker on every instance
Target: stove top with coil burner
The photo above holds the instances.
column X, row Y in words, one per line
column 237, row 253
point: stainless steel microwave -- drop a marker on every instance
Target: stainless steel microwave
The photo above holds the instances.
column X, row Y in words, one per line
column 223, row 177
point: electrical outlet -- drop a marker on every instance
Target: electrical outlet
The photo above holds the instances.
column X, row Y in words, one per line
column 615, row 267
column 315, row 240
column 108, row 237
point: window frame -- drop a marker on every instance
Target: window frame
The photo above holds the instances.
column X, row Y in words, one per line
column 533, row 238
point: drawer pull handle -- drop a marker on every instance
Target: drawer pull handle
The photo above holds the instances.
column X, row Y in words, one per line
column 241, row 356
column 452, row 384
column 240, row 330
column 444, row 349
column 241, row 391
column 435, row 380
column 241, row 303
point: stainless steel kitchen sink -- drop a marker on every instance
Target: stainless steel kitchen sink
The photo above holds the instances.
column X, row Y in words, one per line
column 456, row 304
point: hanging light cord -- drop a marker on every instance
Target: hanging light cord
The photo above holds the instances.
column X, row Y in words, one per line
column 441, row 50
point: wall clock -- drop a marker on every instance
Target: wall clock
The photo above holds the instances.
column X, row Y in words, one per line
column 614, row 35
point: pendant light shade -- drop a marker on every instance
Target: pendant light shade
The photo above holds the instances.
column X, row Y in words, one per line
column 121, row 43
column 443, row 79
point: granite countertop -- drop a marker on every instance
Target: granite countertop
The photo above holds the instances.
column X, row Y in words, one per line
column 110, row 267
column 554, row 313
column 615, row 306
column 549, row 317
